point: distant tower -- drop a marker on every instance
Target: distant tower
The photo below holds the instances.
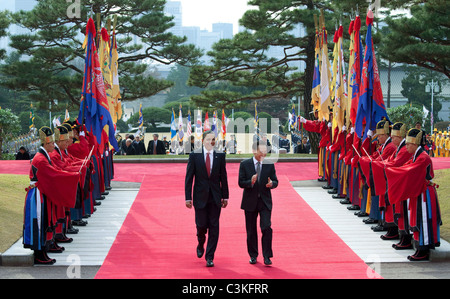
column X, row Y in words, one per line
column 226, row 29
column 173, row 8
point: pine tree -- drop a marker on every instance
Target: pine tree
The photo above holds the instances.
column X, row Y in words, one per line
column 52, row 63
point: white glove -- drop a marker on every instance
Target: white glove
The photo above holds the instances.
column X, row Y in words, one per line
column 370, row 133
column 344, row 128
column 329, row 125
column 352, row 130
column 302, row 119
column 82, row 133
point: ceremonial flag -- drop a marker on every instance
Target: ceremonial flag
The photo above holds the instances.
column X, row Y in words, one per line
column 31, row 117
column 141, row 117
column 371, row 106
column 173, row 127
column 189, row 128
column 355, row 76
column 315, row 92
column 224, row 124
column 256, row 117
column 180, row 125
column 104, row 53
column 292, row 118
column 198, row 125
column 340, row 88
column 206, row 126
column 325, row 101
column 351, row 78
column 214, row 125
column 114, row 66
column 94, row 109
column 56, row 121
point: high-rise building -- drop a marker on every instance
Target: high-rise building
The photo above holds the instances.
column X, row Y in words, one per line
column 225, row 29
column 15, row 6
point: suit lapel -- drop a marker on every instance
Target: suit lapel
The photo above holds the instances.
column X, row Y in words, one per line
column 215, row 161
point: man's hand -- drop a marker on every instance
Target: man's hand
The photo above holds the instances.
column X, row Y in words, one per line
column 269, row 183
column 254, row 178
column 224, row 203
column 189, row 204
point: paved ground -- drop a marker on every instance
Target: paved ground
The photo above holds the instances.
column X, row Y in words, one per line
column 89, row 250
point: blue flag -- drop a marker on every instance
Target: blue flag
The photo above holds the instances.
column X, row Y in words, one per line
column 371, row 108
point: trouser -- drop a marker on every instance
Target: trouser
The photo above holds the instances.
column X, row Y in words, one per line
column 375, row 208
column 207, row 221
column 266, row 230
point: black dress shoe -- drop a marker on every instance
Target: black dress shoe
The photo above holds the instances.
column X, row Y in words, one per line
column 72, row 230
column 361, row 214
column 345, row 201
column 267, row 261
column 353, row 208
column 108, row 188
column 97, row 203
column 332, row 191
column 105, row 193
column 378, row 228
column 209, row 263
column 200, row 251
column 252, row 260
column 370, row 221
column 327, row 187
column 79, row 222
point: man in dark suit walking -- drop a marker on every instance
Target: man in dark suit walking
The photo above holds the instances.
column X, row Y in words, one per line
column 257, row 178
column 155, row 146
column 210, row 193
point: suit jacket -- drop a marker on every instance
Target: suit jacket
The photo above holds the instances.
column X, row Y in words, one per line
column 160, row 150
column 216, row 185
column 251, row 193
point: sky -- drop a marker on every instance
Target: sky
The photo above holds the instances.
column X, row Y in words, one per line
column 203, row 13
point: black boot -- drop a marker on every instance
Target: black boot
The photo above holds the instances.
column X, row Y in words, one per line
column 420, row 255
column 392, row 234
column 405, row 243
column 41, row 258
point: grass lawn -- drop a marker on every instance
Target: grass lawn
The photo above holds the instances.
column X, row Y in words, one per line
column 442, row 178
column 12, row 196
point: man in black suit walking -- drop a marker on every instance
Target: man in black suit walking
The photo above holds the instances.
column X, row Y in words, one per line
column 257, row 177
column 210, row 193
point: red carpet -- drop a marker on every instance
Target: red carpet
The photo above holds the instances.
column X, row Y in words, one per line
column 157, row 239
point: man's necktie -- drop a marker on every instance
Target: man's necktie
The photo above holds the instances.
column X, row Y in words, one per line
column 258, row 170
column 154, row 147
column 208, row 164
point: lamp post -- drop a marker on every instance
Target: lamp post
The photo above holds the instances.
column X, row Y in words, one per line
column 433, row 87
